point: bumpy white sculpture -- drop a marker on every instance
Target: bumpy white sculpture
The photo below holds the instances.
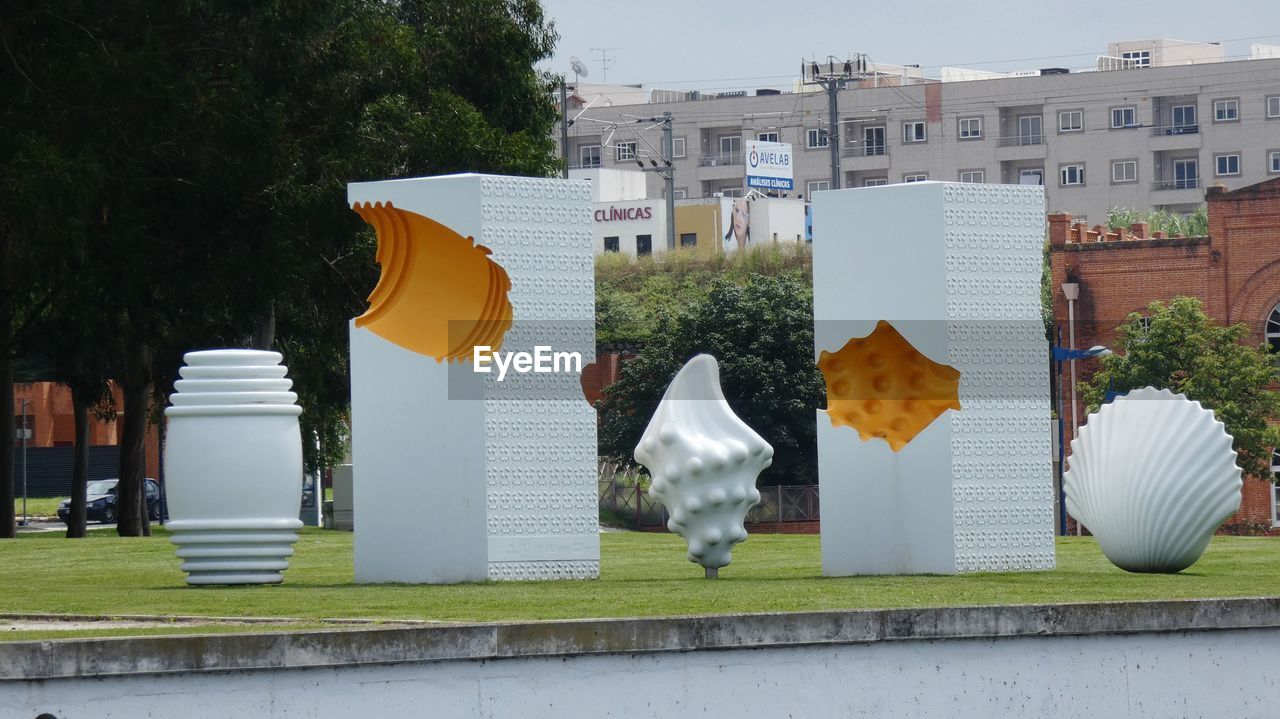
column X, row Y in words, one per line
column 704, row 462
column 1152, row 475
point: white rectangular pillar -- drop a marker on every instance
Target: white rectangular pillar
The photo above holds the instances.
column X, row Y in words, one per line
column 955, row 268
column 458, row 477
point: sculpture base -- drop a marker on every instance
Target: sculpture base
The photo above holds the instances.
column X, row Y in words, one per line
column 235, row 551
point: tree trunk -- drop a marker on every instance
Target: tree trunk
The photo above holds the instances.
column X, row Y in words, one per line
column 130, row 497
column 8, row 523
column 79, row 464
column 264, row 334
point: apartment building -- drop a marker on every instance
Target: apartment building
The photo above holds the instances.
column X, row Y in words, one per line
column 1151, row 135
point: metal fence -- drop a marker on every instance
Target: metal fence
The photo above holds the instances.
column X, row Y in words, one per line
column 623, row 489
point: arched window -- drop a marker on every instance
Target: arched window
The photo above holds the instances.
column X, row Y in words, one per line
column 1273, row 329
column 1275, row 488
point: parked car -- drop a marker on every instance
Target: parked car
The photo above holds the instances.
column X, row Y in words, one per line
column 100, row 502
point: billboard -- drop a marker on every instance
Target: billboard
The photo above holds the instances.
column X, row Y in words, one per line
column 769, row 165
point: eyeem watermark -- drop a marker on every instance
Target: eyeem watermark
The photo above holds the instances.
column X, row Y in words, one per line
column 542, row 360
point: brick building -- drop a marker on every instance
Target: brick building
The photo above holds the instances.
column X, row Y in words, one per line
column 49, row 417
column 1235, row 271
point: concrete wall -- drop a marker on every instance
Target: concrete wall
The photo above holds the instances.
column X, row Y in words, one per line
column 1188, row 659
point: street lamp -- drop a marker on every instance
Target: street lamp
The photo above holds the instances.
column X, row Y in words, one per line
column 24, row 434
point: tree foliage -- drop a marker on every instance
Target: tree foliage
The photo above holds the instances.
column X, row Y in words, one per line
column 761, row 332
column 1182, row 350
column 189, row 160
column 1194, row 225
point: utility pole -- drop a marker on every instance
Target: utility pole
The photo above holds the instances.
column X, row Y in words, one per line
column 564, row 126
column 668, row 151
column 835, row 79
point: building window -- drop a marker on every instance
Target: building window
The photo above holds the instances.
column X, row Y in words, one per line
column 679, row 193
column 1124, row 117
column 913, row 132
column 970, row 128
column 1071, row 121
column 610, row 244
column 1275, row 490
column 973, row 176
column 1124, row 171
column 1072, row 175
column 625, row 151
column 815, row 138
column 1273, row 329
column 1183, row 119
column 1226, row 165
column 732, row 192
column 813, row 186
column 1031, row 177
column 688, row 239
column 1030, row 130
column 730, row 146
column 1226, row 110
column 1186, row 174
column 677, row 147
column 917, row 177
column 1273, row 107
column 1273, row 161
column 1138, row 58
column 644, row 245
column 767, row 136
column 589, row 156
column 875, row 181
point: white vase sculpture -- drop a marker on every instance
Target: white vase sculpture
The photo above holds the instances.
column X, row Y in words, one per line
column 1152, row 475
column 704, row 462
column 233, row 458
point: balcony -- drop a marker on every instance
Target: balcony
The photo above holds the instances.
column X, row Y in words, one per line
column 1029, row 146
column 1187, row 184
column 1020, row 140
column 863, row 149
column 1163, row 130
column 721, row 159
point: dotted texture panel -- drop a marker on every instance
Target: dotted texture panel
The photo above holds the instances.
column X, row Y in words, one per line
column 540, row 432
column 1000, row 445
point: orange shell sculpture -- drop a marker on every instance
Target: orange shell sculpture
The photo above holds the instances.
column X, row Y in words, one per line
column 440, row 294
column 883, row 387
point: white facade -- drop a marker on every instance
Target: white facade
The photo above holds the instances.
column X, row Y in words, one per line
column 637, row 227
column 1152, row 137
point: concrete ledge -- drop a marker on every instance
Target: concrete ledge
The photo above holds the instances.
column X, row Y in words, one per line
column 83, row 658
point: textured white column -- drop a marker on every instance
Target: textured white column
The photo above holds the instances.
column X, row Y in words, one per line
column 455, row 477
column 955, row 268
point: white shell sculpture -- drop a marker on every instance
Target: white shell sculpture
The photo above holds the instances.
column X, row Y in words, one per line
column 1152, row 476
column 704, row 462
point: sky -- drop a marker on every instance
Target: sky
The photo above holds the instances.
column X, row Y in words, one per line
column 700, row 44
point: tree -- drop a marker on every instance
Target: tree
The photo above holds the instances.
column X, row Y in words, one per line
column 1179, row 348
column 761, row 332
column 1194, row 225
column 222, row 135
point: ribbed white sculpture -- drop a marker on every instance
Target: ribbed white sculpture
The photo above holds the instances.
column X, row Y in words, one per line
column 233, row 458
column 1152, row 475
column 704, row 462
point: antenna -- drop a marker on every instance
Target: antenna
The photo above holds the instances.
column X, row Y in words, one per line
column 605, row 59
column 579, row 69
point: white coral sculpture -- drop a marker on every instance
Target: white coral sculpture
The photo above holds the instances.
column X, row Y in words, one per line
column 704, row 462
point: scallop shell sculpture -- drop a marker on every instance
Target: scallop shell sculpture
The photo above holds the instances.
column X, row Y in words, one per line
column 704, row 461
column 1152, row 475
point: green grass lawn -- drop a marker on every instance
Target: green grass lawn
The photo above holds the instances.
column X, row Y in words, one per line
column 642, row 575
column 38, row 506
